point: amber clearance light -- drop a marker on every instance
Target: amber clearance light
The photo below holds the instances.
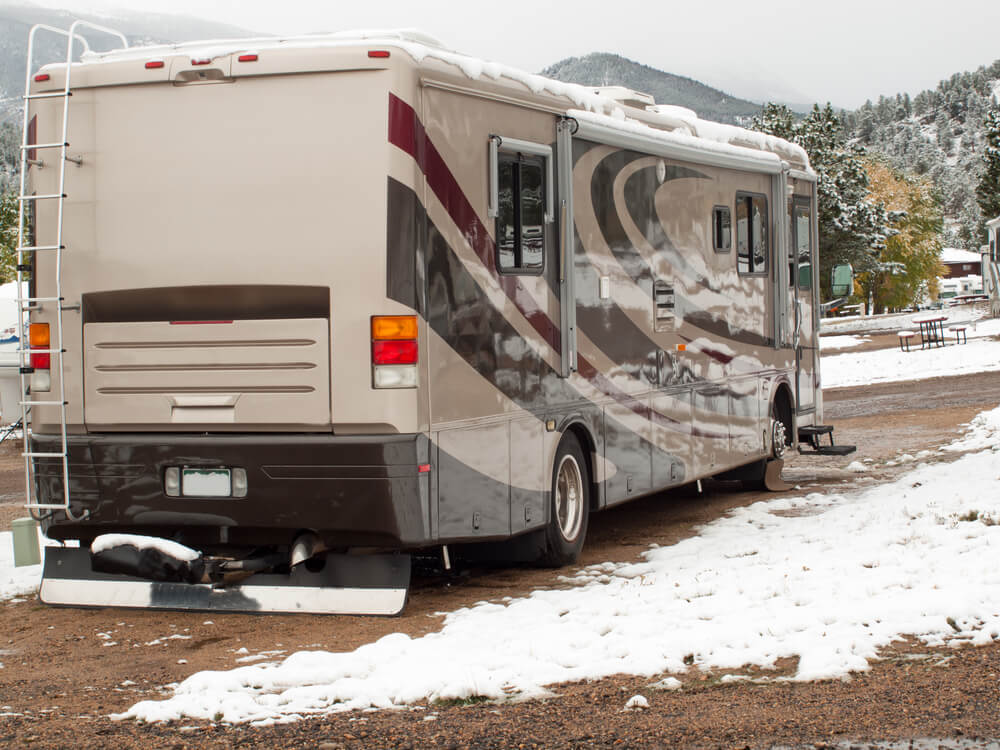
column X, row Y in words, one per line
column 394, row 351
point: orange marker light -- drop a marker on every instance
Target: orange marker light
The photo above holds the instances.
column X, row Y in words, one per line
column 394, row 327
column 682, row 347
column 38, row 335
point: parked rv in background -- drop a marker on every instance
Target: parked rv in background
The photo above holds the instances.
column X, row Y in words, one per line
column 300, row 307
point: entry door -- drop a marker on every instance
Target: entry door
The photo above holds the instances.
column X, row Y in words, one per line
column 803, row 254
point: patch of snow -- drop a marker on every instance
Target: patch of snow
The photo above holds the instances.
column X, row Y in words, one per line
column 890, row 365
column 668, row 683
column 857, row 467
column 842, row 342
column 830, row 583
column 15, row 582
column 957, row 255
column 637, row 703
column 983, row 433
column 165, row 546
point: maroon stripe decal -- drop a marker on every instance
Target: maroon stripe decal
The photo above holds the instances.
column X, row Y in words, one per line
column 407, row 133
column 715, row 354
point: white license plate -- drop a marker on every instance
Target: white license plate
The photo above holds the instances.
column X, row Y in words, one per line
column 206, row 483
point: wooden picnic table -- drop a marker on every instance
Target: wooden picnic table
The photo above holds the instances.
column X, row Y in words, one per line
column 931, row 330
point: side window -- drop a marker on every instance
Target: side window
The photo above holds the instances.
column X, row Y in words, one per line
column 722, row 229
column 752, row 243
column 521, row 203
column 802, row 251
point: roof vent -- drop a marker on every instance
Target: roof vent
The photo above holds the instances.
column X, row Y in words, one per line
column 626, row 97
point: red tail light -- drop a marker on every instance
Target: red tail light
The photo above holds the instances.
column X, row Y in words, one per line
column 154, row 64
column 378, row 53
column 38, row 338
column 394, row 352
column 247, row 58
column 41, row 77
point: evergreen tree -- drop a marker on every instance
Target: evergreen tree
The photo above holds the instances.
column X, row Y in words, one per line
column 852, row 227
column 8, row 236
column 988, row 190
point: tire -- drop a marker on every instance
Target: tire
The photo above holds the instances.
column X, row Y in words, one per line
column 569, row 505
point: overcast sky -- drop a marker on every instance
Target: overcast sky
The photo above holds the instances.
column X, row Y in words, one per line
column 845, row 51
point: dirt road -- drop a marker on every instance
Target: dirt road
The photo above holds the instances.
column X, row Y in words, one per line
column 65, row 670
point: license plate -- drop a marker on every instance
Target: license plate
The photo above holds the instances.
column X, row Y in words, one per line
column 206, row 483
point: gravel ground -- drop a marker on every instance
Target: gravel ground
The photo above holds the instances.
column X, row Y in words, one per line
column 65, row 670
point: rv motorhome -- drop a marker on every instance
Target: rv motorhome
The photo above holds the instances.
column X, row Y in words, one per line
column 302, row 306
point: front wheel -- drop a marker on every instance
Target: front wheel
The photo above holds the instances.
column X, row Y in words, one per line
column 569, row 506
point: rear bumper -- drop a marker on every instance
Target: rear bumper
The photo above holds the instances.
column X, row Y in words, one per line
column 355, row 491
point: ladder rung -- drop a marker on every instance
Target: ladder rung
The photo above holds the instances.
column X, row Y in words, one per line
column 30, row 300
column 42, row 403
column 40, row 197
column 33, row 146
column 40, row 351
column 51, row 95
column 45, row 506
column 35, row 248
column 36, row 454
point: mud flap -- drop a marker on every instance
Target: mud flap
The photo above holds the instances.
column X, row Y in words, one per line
column 772, row 476
column 347, row 585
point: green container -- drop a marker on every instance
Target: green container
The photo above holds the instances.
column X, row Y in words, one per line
column 25, row 542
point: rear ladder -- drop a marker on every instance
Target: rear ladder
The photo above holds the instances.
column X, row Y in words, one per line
column 27, row 304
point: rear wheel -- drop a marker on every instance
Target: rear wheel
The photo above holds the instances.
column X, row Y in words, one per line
column 569, row 506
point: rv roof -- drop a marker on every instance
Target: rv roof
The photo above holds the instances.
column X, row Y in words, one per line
column 640, row 111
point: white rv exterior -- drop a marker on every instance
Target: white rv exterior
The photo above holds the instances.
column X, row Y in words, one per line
column 317, row 297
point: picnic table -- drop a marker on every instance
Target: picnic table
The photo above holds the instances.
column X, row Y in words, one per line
column 931, row 330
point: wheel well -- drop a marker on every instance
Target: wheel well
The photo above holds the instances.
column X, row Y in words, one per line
column 782, row 410
column 582, row 434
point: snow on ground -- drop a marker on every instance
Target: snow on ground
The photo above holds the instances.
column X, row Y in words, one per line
column 842, row 342
column 15, row 582
column 855, row 324
column 893, row 364
column 827, row 578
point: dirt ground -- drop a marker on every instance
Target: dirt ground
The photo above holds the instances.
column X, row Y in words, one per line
column 64, row 670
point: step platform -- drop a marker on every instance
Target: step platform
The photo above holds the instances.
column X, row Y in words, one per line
column 812, row 435
column 347, row 585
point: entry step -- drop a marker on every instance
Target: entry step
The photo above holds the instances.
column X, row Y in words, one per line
column 811, row 435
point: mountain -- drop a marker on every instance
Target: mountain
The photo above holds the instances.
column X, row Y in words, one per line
column 606, row 69
column 939, row 134
column 144, row 28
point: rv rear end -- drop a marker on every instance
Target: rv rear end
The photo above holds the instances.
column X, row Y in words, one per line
column 242, row 363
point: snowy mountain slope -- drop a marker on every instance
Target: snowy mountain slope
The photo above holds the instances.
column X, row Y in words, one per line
column 937, row 133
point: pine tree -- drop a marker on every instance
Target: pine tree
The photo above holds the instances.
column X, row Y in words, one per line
column 852, row 227
column 988, row 190
column 8, row 236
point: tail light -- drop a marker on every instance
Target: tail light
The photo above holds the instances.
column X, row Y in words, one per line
column 41, row 361
column 394, row 351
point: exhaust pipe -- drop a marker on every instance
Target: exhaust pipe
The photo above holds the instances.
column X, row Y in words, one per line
column 305, row 547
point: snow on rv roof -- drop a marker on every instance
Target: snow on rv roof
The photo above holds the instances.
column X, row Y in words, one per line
column 420, row 46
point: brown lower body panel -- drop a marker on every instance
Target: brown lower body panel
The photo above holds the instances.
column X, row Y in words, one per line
column 353, row 490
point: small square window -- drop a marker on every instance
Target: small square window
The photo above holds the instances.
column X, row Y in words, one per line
column 722, row 229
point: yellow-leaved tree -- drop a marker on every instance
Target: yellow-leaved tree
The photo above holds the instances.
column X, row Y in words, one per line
column 910, row 264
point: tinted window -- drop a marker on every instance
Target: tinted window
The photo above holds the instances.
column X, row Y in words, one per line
column 751, row 233
column 803, row 246
column 722, row 229
column 520, row 214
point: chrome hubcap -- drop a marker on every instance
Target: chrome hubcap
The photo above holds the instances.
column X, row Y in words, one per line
column 777, row 438
column 569, row 498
